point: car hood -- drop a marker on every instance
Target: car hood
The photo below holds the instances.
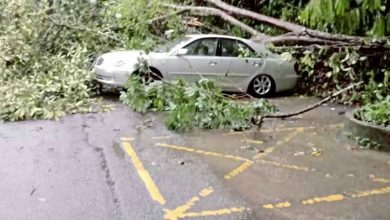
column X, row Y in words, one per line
column 120, row 58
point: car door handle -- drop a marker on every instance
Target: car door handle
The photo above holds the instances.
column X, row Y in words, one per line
column 256, row 63
column 212, row 63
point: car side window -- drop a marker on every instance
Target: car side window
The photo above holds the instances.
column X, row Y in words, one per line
column 235, row 48
column 203, row 47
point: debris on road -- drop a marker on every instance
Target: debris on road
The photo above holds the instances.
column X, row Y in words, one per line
column 316, row 152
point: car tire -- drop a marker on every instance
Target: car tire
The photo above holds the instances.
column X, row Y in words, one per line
column 153, row 75
column 261, row 86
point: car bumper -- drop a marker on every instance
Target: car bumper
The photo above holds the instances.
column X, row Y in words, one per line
column 111, row 77
column 286, row 83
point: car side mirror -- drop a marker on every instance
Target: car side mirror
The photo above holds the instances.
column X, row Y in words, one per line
column 182, row 52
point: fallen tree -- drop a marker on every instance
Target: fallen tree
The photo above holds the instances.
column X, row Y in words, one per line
column 295, row 34
column 327, row 61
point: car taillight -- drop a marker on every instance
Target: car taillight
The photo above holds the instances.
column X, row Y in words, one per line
column 296, row 68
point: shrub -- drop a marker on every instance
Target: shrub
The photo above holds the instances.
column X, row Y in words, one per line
column 45, row 53
column 378, row 113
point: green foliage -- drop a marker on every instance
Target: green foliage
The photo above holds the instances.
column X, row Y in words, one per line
column 191, row 105
column 132, row 19
column 324, row 71
column 367, row 144
column 63, row 88
column 377, row 113
column 44, row 57
column 354, row 17
column 46, row 50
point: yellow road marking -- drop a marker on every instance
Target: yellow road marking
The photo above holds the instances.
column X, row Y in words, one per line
column 143, row 173
column 179, row 212
column 237, row 133
column 250, row 141
column 277, row 205
column 381, row 180
column 288, row 166
column 267, row 151
column 244, row 166
column 283, row 129
column 388, row 162
column 162, row 137
column 215, row 212
column 329, row 198
column 373, row 192
column 207, row 153
column 127, row 139
column 239, row 170
column 285, row 140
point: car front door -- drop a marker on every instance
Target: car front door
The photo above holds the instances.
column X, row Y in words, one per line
column 244, row 62
column 200, row 60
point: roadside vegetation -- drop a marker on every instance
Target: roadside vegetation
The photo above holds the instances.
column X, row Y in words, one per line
column 46, row 50
column 376, row 113
column 45, row 53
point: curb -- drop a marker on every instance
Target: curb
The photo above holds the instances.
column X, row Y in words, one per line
column 374, row 132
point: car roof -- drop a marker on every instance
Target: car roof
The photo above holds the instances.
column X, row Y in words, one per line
column 198, row 36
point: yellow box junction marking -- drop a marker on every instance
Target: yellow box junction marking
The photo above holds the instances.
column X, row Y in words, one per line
column 285, row 140
column 210, row 213
column 243, row 167
column 162, row 137
column 207, row 153
column 277, row 205
column 125, row 139
column 283, row 129
column 239, row 170
column 288, row 166
column 373, row 192
column 251, row 141
column 381, row 180
column 142, row 172
column 180, row 210
column 331, row 198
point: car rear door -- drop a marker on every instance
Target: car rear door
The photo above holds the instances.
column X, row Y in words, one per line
column 201, row 60
column 243, row 62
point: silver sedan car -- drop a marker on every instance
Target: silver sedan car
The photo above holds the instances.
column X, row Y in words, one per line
column 235, row 64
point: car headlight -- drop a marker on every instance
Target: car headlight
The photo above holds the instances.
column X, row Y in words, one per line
column 120, row 63
column 99, row 60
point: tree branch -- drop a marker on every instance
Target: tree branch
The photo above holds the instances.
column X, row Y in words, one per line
column 207, row 11
column 290, row 40
column 164, row 17
column 298, row 30
column 316, row 105
column 287, row 26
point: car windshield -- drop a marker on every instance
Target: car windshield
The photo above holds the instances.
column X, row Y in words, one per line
column 163, row 48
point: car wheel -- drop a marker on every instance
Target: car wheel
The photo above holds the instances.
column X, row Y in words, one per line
column 261, row 86
column 149, row 77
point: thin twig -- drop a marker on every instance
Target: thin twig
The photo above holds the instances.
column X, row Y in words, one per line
column 57, row 23
column 316, row 105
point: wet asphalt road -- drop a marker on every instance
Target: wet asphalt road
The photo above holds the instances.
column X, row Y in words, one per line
column 122, row 165
column 75, row 168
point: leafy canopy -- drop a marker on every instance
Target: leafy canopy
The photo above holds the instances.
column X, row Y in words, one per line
column 354, row 17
